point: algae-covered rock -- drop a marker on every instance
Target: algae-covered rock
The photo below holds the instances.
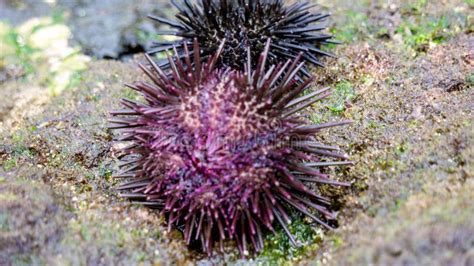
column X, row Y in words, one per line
column 408, row 91
column 425, row 231
column 31, row 222
column 69, row 144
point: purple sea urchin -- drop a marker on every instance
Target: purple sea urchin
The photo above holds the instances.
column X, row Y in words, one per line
column 247, row 24
column 220, row 151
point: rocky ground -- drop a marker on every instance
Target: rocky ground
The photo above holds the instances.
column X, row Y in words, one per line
column 404, row 76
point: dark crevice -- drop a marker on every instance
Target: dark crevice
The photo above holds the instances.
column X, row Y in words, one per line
column 127, row 53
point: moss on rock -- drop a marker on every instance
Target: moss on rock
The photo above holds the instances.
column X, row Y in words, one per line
column 412, row 140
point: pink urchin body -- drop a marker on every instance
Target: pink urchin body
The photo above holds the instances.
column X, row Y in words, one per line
column 220, row 153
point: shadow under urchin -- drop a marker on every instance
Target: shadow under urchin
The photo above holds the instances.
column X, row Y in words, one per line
column 247, row 24
column 221, row 153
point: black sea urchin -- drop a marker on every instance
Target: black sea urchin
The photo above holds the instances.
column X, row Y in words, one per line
column 247, row 24
column 220, row 151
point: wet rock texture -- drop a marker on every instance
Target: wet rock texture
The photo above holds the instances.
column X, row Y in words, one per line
column 113, row 28
column 412, row 139
column 104, row 29
column 30, row 220
column 67, row 149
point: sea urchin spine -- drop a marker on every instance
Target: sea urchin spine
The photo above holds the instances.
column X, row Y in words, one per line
column 247, row 24
column 221, row 153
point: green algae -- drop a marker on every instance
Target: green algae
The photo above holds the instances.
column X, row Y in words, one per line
column 278, row 249
column 418, row 36
column 342, row 95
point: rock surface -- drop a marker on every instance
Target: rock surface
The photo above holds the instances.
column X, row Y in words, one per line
column 104, row 29
column 113, row 28
column 409, row 93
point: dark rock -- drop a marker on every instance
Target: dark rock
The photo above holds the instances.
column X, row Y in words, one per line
column 104, row 29
column 112, row 28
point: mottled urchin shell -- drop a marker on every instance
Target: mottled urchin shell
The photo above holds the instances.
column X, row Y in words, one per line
column 221, row 153
column 247, row 24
